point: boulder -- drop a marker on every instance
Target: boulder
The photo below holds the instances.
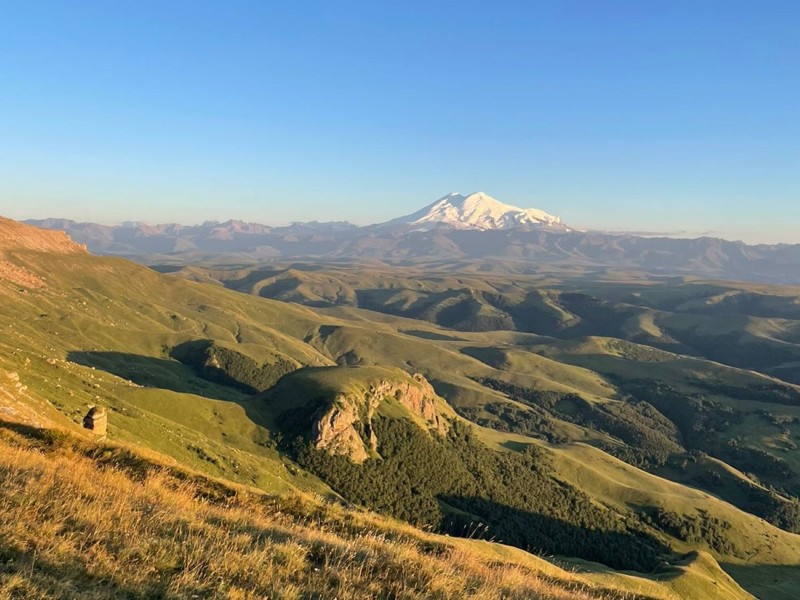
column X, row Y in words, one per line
column 96, row 420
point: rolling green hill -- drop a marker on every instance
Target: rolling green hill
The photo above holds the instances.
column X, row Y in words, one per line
column 77, row 515
column 742, row 325
column 597, row 448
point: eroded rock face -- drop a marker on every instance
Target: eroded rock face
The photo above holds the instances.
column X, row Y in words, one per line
column 335, row 431
column 337, row 428
column 16, row 236
column 19, row 236
column 420, row 400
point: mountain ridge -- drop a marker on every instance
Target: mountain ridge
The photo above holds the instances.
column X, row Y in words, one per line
column 455, row 227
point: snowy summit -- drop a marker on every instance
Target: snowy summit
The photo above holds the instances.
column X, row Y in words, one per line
column 478, row 211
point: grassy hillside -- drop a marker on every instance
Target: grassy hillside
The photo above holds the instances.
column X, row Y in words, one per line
column 82, row 520
column 179, row 365
column 103, row 332
column 629, row 339
column 743, row 325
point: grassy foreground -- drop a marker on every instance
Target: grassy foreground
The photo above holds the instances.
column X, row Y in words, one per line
column 79, row 520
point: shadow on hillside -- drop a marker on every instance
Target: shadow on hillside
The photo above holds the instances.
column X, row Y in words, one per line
column 166, row 269
column 174, row 376
column 779, row 582
column 151, row 372
column 48, row 436
column 431, row 335
column 540, row 534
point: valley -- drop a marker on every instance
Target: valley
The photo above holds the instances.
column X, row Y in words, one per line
column 633, row 431
column 399, row 301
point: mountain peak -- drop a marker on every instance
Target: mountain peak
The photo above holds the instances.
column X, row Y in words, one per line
column 479, row 211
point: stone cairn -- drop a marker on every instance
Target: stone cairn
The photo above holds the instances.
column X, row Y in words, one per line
column 96, row 421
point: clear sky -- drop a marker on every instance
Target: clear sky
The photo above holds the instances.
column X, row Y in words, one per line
column 651, row 115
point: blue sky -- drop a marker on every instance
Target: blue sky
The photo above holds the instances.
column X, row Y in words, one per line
column 640, row 115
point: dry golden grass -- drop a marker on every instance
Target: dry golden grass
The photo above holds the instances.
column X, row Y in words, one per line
column 84, row 521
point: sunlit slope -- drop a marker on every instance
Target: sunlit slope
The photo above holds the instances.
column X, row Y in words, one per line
column 100, row 331
column 754, row 409
column 122, row 302
column 743, row 325
column 587, row 468
column 160, row 530
column 104, row 331
column 755, row 542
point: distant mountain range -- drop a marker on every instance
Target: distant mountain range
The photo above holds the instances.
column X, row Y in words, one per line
column 454, row 228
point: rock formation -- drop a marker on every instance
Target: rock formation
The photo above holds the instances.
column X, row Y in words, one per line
column 96, row 420
column 19, row 236
column 336, row 429
column 15, row 236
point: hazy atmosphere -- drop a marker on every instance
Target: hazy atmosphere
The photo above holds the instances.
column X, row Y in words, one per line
column 400, row 300
column 660, row 117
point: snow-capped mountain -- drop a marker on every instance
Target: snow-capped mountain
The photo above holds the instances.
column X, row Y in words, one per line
column 454, row 228
column 478, row 211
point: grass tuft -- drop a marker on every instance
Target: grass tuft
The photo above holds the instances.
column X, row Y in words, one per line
column 84, row 521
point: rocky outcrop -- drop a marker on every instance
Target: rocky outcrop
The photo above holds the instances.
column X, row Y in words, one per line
column 19, row 276
column 419, row 399
column 344, row 427
column 96, row 420
column 335, row 431
column 19, row 236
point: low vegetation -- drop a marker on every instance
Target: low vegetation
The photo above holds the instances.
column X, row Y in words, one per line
column 226, row 366
column 459, row 486
column 180, row 367
column 85, row 521
column 650, row 438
